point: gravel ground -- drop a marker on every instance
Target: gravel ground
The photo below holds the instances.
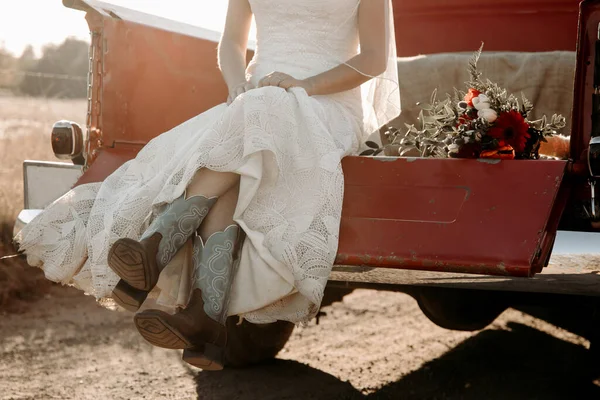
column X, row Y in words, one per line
column 373, row 345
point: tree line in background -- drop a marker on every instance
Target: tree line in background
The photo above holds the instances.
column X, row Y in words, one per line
column 61, row 71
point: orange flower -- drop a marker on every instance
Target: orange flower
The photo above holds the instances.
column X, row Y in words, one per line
column 501, row 153
column 472, row 94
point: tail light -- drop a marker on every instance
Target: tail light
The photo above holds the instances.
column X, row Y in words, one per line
column 67, row 142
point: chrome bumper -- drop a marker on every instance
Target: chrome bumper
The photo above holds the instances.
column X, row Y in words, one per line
column 43, row 183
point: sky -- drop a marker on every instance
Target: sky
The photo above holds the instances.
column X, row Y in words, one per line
column 38, row 22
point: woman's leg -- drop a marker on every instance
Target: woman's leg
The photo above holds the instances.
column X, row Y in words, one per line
column 210, row 183
column 221, row 215
column 139, row 263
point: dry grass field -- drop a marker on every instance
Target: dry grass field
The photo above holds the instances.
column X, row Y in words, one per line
column 25, row 125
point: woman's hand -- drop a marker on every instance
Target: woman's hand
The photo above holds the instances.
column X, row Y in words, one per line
column 284, row 81
column 237, row 90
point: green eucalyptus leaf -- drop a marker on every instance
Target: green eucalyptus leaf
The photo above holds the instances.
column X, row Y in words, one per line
column 372, row 144
column 434, row 96
column 407, row 149
column 368, row 152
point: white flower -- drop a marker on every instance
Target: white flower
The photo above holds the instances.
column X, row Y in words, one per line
column 481, row 102
column 487, row 114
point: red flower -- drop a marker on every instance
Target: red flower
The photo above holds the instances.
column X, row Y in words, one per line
column 464, row 119
column 471, row 95
column 510, row 128
column 469, row 150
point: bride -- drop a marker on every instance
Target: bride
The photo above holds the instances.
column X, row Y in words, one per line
column 253, row 186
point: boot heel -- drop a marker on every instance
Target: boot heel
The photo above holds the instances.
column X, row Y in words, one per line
column 128, row 297
column 208, row 357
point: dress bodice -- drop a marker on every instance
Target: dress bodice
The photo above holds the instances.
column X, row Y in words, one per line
column 303, row 37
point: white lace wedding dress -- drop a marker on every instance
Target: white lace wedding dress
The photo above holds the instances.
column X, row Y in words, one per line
column 287, row 148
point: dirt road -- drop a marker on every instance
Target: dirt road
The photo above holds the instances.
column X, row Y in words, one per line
column 374, row 345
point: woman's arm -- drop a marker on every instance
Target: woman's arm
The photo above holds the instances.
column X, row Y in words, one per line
column 371, row 61
column 232, row 48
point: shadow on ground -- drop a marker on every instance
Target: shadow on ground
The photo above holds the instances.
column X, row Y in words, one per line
column 279, row 379
column 68, row 347
column 519, row 363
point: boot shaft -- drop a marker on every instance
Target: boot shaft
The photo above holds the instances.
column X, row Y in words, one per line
column 215, row 266
column 176, row 223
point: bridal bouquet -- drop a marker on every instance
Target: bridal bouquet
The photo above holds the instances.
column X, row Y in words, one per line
column 483, row 122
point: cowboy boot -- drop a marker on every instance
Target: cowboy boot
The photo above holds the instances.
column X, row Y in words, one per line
column 199, row 329
column 139, row 263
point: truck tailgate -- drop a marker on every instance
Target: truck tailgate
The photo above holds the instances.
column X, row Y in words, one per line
column 475, row 216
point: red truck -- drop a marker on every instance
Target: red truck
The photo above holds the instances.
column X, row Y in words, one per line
column 433, row 228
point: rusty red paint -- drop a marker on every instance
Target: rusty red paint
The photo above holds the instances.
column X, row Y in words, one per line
column 581, row 123
column 154, row 80
column 151, row 80
column 106, row 162
column 495, row 224
column 457, row 25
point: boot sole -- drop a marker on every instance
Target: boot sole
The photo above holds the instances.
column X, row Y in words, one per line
column 128, row 297
column 128, row 259
column 159, row 333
